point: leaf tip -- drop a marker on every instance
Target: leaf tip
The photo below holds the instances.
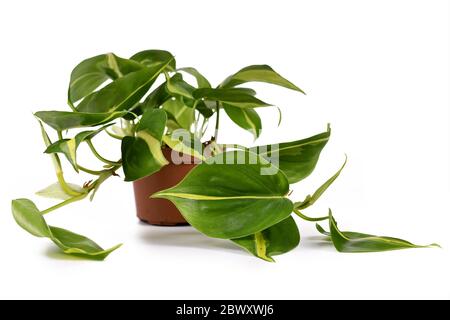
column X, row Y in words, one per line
column 115, row 247
column 268, row 259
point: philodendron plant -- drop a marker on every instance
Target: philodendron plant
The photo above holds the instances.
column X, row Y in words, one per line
column 236, row 193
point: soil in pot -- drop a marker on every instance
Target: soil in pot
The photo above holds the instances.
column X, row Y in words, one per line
column 161, row 212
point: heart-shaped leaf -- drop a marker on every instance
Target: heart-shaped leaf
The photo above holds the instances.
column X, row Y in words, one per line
column 141, row 154
column 89, row 74
column 345, row 241
column 151, row 58
column 231, row 200
column 245, row 118
column 258, row 73
column 275, row 240
column 297, row 159
column 237, row 97
column 28, row 216
column 63, row 120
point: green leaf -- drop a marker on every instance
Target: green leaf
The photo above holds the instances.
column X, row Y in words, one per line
column 159, row 96
column 180, row 112
column 55, row 191
column 151, row 58
column 245, row 118
column 28, row 216
column 138, row 160
column 153, row 123
column 297, row 159
column 311, row 199
column 177, row 86
column 360, row 242
column 93, row 72
column 348, row 234
column 156, row 98
column 206, row 108
column 55, row 159
column 69, row 146
column 57, row 165
column 123, row 93
column 78, row 245
column 258, row 73
column 186, row 147
column 275, row 240
column 63, row 120
column 231, row 200
column 202, row 82
column 237, row 97
column 142, row 155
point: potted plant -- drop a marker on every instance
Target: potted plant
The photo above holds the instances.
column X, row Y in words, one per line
column 225, row 191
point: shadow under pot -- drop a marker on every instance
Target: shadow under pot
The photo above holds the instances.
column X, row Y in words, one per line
column 161, row 212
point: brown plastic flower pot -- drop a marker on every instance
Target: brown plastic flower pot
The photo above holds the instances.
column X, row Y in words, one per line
column 160, row 212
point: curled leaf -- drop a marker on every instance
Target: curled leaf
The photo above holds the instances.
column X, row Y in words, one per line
column 297, row 159
column 346, row 241
column 153, row 57
column 63, row 120
column 237, row 97
column 311, row 199
column 123, row 93
column 89, row 74
column 28, row 216
column 258, row 73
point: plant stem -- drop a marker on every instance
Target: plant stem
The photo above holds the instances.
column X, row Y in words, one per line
column 94, row 151
column 80, row 196
column 301, row 215
column 216, row 130
column 65, row 186
column 204, row 127
column 57, row 164
column 93, row 172
column 112, row 135
column 66, row 202
column 197, row 119
column 71, row 105
column 60, row 136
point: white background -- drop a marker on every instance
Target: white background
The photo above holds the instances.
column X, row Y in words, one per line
column 378, row 71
